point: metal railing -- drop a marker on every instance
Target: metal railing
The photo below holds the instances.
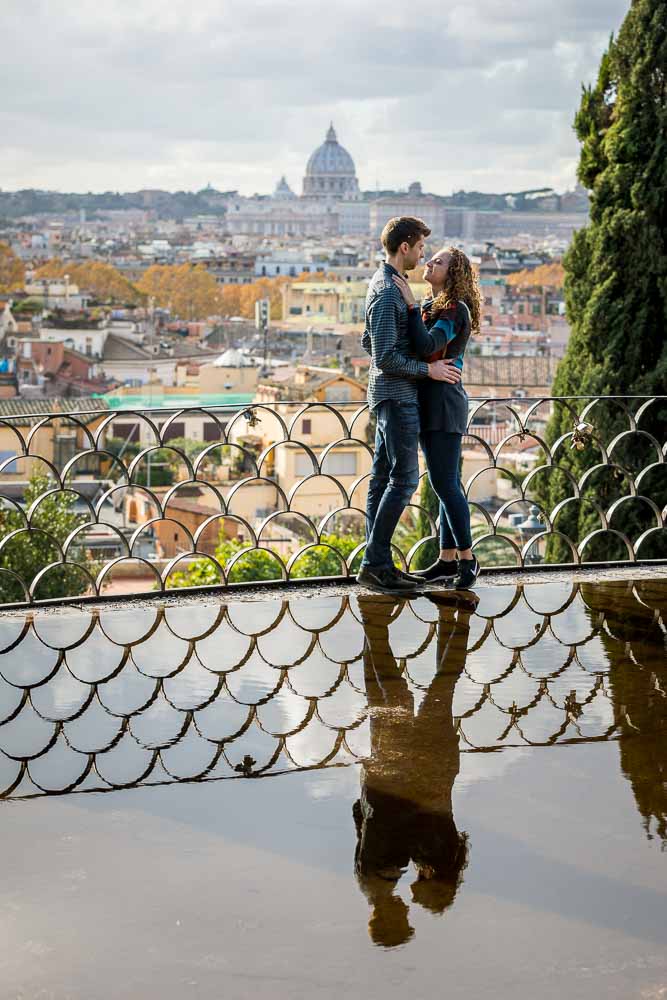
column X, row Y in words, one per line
column 221, row 496
column 98, row 700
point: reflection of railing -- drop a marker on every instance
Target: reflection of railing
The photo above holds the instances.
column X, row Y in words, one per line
column 65, row 568
column 110, row 699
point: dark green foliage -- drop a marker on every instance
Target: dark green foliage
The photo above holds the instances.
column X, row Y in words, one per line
column 323, row 561
column 616, row 279
column 258, row 564
column 428, row 553
column 28, row 553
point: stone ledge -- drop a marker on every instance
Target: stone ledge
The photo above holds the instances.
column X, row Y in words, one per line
column 303, row 590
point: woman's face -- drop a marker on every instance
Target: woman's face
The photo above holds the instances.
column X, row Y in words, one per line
column 435, row 269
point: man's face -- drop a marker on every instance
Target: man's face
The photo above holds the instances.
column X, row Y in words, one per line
column 412, row 255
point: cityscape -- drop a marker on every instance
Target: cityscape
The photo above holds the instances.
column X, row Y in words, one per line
column 145, row 306
column 333, row 501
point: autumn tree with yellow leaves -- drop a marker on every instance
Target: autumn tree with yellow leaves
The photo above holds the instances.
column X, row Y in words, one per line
column 239, row 300
column 189, row 292
column 544, row 276
column 12, row 272
column 97, row 277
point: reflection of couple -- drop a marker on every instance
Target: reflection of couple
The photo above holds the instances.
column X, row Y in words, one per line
column 404, row 813
column 415, row 392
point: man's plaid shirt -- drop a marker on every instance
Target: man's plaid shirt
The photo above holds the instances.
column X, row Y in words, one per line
column 394, row 368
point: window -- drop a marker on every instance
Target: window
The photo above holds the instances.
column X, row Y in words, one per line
column 303, row 465
column 176, row 430
column 64, row 448
column 12, row 467
column 340, row 463
column 128, row 432
column 212, row 432
column 278, row 269
column 306, row 426
column 488, row 301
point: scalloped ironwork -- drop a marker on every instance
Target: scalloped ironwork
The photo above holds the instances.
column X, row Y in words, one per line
column 522, row 419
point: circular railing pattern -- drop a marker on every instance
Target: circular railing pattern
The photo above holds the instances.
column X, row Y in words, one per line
column 297, row 512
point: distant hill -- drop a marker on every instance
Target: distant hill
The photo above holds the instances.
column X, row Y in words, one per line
column 182, row 204
column 165, row 204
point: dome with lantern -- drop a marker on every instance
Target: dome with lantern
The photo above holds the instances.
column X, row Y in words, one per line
column 330, row 172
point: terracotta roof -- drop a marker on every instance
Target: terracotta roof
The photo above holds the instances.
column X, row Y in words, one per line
column 192, row 506
column 522, row 372
column 26, row 412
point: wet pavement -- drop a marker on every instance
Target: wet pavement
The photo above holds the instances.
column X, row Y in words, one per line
column 338, row 795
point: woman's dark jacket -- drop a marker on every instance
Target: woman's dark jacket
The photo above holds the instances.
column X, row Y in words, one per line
column 442, row 407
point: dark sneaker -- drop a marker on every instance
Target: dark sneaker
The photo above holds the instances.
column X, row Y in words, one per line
column 407, row 576
column 467, row 574
column 387, row 581
column 439, row 572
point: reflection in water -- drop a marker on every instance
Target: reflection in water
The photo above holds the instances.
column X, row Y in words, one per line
column 635, row 641
column 99, row 700
column 405, row 810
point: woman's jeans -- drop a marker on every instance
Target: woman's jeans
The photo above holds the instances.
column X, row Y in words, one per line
column 394, row 477
column 442, row 451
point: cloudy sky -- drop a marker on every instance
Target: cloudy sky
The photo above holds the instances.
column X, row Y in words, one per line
column 127, row 94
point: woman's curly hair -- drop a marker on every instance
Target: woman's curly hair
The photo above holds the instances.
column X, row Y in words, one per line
column 461, row 285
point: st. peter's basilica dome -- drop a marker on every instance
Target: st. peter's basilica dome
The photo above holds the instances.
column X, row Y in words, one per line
column 330, row 172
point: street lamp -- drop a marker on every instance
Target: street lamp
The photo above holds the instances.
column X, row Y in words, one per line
column 528, row 529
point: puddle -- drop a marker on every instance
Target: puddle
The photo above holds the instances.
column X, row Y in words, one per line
column 339, row 795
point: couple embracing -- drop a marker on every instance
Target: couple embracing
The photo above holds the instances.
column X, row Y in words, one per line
column 415, row 392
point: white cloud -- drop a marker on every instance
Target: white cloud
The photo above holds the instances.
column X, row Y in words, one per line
column 121, row 95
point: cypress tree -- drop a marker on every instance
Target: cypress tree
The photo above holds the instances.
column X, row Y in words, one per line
column 616, row 291
column 428, row 501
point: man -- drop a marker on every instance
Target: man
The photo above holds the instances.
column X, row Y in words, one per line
column 392, row 395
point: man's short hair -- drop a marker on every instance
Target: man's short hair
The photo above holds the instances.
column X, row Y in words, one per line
column 403, row 229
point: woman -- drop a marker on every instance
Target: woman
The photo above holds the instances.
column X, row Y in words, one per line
column 443, row 407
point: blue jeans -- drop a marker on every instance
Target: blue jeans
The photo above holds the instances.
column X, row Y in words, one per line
column 442, row 451
column 394, row 477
